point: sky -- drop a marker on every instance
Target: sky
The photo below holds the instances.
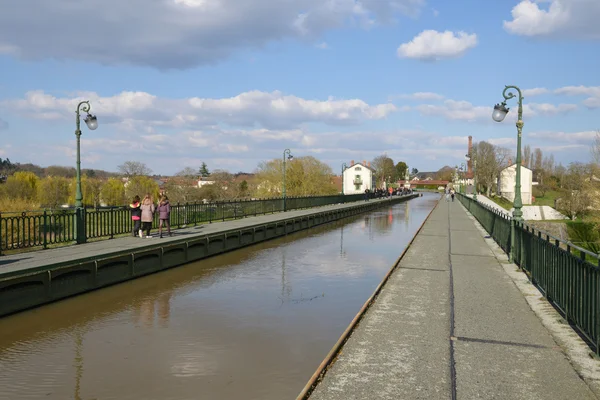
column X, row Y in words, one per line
column 175, row 83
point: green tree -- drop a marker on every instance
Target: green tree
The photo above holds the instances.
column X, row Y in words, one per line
column 53, row 191
column 140, row 186
column 305, row 176
column 90, row 189
column 243, row 189
column 204, row 170
column 22, row 185
column 112, row 192
column 400, row 170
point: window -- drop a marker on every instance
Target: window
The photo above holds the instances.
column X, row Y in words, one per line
column 358, row 169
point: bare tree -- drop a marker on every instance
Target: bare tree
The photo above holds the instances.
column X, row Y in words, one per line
column 526, row 156
column 134, row 168
column 538, row 158
column 384, row 167
column 576, row 195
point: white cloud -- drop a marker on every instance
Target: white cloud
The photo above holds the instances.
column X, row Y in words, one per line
column 592, row 102
column 177, row 33
column 584, row 137
column 576, row 18
column 535, row 92
column 322, row 46
column 432, row 45
column 248, row 109
column 456, row 110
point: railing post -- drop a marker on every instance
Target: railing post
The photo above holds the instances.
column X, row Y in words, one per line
column 511, row 254
column 111, row 219
column 45, row 229
column 80, row 225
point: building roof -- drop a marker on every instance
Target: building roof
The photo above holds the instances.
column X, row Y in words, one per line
column 514, row 165
column 359, row 164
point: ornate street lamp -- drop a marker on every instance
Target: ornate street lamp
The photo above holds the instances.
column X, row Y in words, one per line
column 475, row 179
column 467, row 159
column 463, row 181
column 92, row 123
column 286, row 156
column 500, row 111
column 344, row 166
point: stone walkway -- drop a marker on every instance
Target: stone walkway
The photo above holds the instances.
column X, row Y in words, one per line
column 451, row 323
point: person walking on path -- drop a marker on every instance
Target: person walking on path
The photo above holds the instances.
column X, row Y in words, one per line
column 147, row 214
column 136, row 216
column 164, row 213
column 452, row 194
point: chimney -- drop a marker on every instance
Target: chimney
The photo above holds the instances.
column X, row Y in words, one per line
column 369, row 164
column 352, row 163
column 509, row 161
column 364, row 163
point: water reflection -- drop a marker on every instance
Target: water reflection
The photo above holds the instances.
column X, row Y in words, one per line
column 252, row 324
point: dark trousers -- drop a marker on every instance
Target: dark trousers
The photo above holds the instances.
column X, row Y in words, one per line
column 136, row 227
column 146, row 226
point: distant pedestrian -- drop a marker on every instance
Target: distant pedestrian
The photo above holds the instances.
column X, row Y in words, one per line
column 136, row 216
column 452, row 194
column 147, row 214
column 164, row 214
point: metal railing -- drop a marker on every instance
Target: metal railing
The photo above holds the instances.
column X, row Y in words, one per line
column 45, row 228
column 567, row 275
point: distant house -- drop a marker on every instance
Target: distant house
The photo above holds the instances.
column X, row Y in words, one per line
column 506, row 183
column 357, row 178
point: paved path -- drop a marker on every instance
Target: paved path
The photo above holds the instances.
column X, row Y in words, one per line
column 15, row 263
column 448, row 320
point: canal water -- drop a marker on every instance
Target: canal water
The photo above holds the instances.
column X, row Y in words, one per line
column 250, row 324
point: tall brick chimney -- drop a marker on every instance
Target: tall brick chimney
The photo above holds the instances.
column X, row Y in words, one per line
column 352, row 163
column 470, row 153
column 364, row 163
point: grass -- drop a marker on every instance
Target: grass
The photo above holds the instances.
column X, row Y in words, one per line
column 502, row 202
column 547, row 199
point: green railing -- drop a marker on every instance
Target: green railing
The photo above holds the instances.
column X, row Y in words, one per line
column 45, row 228
column 567, row 275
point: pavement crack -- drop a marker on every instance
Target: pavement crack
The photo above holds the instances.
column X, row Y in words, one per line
column 451, row 292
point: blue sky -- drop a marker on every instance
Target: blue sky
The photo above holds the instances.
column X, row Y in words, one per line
column 175, row 83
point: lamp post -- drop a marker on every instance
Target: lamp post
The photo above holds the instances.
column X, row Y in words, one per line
column 92, row 123
column 286, row 156
column 344, row 166
column 467, row 159
column 500, row 111
column 463, row 181
column 475, row 179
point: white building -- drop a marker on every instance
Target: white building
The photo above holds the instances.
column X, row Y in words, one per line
column 357, row 178
column 506, row 184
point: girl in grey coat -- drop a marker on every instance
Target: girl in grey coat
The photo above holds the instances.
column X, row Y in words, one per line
column 147, row 214
column 164, row 212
